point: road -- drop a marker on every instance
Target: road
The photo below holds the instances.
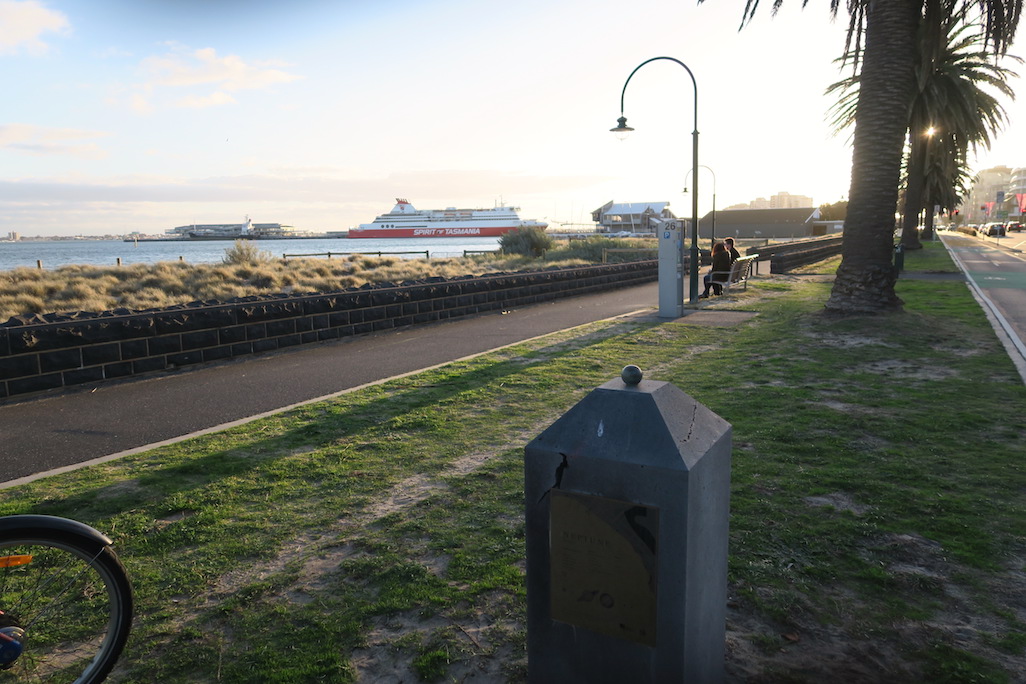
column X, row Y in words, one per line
column 58, row 430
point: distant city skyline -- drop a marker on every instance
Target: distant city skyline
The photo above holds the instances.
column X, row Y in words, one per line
column 779, row 200
column 126, row 116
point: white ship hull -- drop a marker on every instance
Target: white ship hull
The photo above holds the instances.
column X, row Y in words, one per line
column 405, row 221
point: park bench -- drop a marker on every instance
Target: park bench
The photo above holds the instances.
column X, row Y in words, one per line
column 740, row 271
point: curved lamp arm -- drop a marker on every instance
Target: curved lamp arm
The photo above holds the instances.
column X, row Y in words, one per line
column 623, row 128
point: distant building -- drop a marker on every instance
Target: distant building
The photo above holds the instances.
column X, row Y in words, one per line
column 1015, row 199
column 991, row 189
column 785, row 200
column 634, row 217
column 229, row 230
column 765, row 223
column 781, row 200
column 14, row 236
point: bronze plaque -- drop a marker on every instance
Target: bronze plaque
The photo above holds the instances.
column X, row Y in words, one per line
column 603, row 564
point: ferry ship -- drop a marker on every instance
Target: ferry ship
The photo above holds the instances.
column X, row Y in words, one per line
column 405, row 221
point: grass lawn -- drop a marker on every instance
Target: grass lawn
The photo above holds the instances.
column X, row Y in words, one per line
column 877, row 504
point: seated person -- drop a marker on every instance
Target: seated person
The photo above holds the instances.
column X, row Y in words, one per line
column 734, row 254
column 720, row 271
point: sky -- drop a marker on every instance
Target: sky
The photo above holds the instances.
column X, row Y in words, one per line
column 129, row 115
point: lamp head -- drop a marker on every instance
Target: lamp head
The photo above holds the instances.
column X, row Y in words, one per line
column 622, row 129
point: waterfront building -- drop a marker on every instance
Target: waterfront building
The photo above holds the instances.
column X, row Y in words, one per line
column 630, row 217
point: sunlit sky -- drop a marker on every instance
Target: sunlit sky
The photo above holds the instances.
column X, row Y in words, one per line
column 124, row 115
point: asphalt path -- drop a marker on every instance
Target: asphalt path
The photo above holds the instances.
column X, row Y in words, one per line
column 996, row 271
column 107, row 420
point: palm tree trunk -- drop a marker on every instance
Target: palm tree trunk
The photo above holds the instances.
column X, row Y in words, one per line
column 928, row 221
column 865, row 278
column 914, row 188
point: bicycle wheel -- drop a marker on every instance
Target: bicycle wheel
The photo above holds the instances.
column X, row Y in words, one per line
column 65, row 602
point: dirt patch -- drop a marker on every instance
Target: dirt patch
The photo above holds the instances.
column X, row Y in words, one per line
column 759, row 654
column 839, row 501
column 850, row 649
column 846, row 341
column 168, row 520
column 718, row 318
column 122, row 488
column 907, row 369
column 471, row 648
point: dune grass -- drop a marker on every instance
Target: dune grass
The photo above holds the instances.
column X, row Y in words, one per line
column 876, row 528
column 245, row 271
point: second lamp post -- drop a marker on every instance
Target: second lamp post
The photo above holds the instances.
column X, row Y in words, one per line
column 622, row 127
column 712, row 231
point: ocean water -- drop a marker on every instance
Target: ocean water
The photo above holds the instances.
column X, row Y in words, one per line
column 57, row 253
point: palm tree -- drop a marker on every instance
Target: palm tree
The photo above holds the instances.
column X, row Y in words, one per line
column 948, row 178
column 865, row 278
column 950, row 111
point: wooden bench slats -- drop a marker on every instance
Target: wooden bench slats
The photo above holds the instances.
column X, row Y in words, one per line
column 740, row 272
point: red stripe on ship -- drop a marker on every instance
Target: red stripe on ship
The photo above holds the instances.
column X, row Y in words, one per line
column 486, row 231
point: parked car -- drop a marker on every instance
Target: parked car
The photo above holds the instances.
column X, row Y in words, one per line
column 1013, row 226
column 993, row 229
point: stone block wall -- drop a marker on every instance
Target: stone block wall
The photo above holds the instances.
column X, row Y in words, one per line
column 88, row 348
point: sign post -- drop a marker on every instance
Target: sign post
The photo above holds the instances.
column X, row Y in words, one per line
column 671, row 271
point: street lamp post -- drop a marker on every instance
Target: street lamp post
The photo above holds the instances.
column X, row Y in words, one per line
column 623, row 128
column 712, row 236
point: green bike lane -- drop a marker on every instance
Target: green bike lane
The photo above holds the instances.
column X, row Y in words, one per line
column 996, row 272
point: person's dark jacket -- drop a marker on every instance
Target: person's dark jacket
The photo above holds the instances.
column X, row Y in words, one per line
column 721, row 266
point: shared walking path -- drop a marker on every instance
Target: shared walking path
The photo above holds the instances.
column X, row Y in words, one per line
column 63, row 430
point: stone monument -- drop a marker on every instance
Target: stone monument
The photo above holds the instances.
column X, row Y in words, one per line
column 627, row 500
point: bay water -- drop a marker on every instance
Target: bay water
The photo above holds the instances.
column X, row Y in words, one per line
column 56, row 253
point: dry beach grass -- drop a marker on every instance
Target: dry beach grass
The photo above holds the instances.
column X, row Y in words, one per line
column 144, row 286
column 246, row 271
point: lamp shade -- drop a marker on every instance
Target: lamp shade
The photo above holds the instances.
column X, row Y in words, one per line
column 622, row 129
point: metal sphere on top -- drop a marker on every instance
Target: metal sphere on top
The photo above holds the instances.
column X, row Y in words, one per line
column 631, row 375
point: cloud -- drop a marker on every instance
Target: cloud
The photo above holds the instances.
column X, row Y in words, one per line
column 212, row 100
column 204, row 67
column 302, row 186
column 41, row 141
column 140, row 104
column 112, row 52
column 313, row 198
column 209, row 78
column 22, row 24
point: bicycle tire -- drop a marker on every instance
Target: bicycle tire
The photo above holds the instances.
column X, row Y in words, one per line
column 72, row 600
